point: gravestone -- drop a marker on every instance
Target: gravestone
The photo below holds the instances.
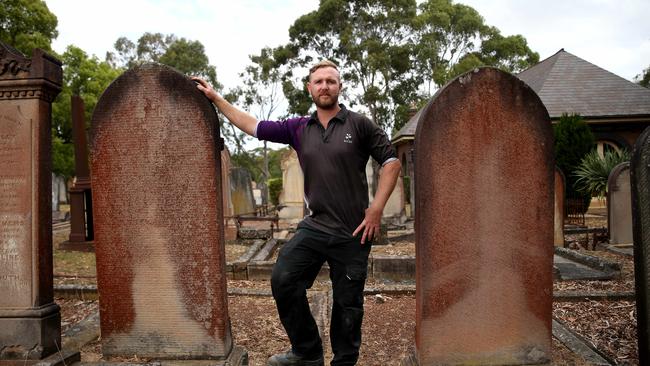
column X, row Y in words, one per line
column 640, row 182
column 394, row 208
column 293, row 189
column 158, row 220
column 30, row 320
column 484, row 224
column 81, row 212
column 228, row 211
column 619, row 205
column 560, row 194
column 241, row 191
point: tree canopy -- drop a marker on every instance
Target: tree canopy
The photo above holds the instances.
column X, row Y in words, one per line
column 182, row 54
column 643, row 78
column 393, row 54
column 27, row 24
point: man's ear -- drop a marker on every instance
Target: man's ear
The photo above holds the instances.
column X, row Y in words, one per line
column 308, row 85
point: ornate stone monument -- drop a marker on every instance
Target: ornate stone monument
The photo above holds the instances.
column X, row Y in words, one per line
column 30, row 321
column 158, row 220
column 619, row 205
column 81, row 207
column 484, row 224
column 560, row 196
column 292, row 197
column 640, row 181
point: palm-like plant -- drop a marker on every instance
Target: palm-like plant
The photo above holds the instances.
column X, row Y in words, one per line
column 593, row 171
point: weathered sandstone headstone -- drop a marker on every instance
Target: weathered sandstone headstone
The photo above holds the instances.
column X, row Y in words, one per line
column 30, row 321
column 560, row 194
column 228, row 210
column 158, row 219
column 619, row 205
column 394, row 209
column 241, row 191
column 484, row 223
column 293, row 189
column 640, row 181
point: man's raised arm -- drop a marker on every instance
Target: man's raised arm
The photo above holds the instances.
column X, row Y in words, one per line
column 239, row 118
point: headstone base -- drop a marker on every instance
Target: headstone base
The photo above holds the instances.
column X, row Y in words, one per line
column 237, row 357
column 78, row 246
column 29, row 334
column 61, row 358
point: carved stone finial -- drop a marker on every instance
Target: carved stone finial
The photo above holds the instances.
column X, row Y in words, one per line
column 12, row 62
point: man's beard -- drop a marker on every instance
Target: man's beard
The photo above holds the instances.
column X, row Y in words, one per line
column 330, row 103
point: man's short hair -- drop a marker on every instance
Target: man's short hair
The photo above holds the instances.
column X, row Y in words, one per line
column 321, row 64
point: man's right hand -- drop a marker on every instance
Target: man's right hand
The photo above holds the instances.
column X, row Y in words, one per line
column 203, row 86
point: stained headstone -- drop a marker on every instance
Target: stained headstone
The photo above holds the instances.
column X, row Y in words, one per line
column 619, row 205
column 158, row 219
column 640, row 182
column 293, row 189
column 81, row 213
column 484, row 228
column 30, row 320
column 228, row 210
column 55, row 195
column 241, row 191
column 560, row 194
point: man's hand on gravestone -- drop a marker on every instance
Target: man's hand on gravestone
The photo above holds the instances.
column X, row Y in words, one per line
column 370, row 224
column 204, row 87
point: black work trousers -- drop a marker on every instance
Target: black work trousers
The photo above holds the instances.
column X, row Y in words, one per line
column 298, row 264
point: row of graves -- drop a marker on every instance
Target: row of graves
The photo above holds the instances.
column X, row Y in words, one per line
column 471, row 282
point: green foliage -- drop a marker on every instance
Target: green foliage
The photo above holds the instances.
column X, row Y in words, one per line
column 643, row 79
column 84, row 76
column 593, row 171
column 184, row 55
column 573, row 141
column 62, row 158
column 253, row 161
column 27, row 24
column 275, row 188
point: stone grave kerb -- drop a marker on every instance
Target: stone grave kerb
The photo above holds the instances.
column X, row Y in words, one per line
column 30, row 320
column 640, row 192
column 159, row 230
column 484, row 223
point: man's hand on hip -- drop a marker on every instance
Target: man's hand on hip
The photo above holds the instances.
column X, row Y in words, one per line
column 370, row 225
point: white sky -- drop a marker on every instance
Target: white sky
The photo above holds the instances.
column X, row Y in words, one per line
column 613, row 34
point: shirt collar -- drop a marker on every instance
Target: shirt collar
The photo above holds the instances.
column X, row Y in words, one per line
column 341, row 116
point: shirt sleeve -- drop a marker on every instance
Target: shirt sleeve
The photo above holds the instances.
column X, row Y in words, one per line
column 379, row 145
column 274, row 131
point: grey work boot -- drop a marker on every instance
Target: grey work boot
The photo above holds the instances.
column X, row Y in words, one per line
column 291, row 359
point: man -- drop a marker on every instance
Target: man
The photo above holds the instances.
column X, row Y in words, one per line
column 333, row 147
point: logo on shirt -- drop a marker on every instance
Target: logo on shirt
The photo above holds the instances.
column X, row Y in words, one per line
column 348, row 138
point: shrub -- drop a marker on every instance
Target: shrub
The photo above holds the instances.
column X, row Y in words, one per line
column 593, row 172
column 275, row 188
column 573, row 140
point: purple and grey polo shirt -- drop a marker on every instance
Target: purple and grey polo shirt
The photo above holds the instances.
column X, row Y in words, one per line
column 333, row 162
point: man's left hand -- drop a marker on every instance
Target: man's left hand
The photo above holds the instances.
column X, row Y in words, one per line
column 370, row 225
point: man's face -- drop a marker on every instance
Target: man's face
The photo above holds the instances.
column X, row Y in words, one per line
column 324, row 86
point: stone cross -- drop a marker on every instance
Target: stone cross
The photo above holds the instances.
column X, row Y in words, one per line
column 619, row 205
column 155, row 151
column 484, row 223
column 640, row 182
column 30, row 320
